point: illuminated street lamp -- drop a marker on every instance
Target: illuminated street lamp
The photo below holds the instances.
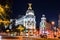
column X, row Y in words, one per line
column 53, row 23
column 54, row 27
column 21, row 28
column 7, row 30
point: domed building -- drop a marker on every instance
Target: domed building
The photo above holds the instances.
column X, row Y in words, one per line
column 28, row 21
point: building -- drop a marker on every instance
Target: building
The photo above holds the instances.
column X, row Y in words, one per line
column 59, row 21
column 43, row 25
column 28, row 21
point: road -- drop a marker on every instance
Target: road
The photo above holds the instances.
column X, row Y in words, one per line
column 24, row 38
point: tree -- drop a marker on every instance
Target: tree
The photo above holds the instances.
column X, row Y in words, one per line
column 4, row 17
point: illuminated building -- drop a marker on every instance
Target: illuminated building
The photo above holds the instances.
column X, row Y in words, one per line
column 59, row 22
column 28, row 21
column 20, row 21
column 43, row 24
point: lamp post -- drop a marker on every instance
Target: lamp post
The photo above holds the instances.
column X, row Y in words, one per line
column 54, row 27
column 53, row 23
column 21, row 28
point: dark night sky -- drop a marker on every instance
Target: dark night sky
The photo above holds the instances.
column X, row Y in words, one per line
column 48, row 7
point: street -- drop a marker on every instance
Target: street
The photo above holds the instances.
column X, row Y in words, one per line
column 25, row 38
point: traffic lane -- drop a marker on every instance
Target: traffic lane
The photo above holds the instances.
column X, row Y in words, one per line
column 26, row 38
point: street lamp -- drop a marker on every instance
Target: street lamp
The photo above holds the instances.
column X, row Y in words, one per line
column 21, row 28
column 7, row 30
column 53, row 23
column 54, row 27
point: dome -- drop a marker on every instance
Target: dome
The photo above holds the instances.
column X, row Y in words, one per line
column 43, row 17
column 30, row 12
column 29, row 16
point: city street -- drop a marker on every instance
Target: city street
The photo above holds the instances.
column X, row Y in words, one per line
column 29, row 20
column 25, row 38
